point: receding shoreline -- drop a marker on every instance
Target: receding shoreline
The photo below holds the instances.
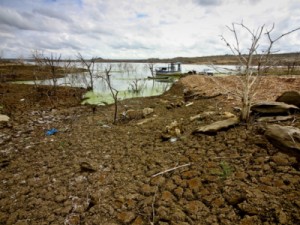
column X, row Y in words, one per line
column 280, row 58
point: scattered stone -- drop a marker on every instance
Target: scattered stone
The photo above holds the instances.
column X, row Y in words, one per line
column 217, row 126
column 4, row 121
column 228, row 115
column 87, row 167
column 4, row 118
column 132, row 114
column 285, row 138
column 202, row 115
column 172, row 130
column 273, row 108
column 275, row 118
column 147, row 111
column 290, row 97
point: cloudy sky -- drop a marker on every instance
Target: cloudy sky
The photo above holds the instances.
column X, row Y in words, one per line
column 138, row 28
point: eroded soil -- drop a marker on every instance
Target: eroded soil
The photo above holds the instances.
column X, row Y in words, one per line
column 94, row 172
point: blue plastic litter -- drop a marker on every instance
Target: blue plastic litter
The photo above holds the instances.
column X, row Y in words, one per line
column 51, row 132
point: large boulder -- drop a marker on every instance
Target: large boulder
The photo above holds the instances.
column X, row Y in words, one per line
column 290, row 97
column 285, row 138
column 217, row 126
column 273, row 108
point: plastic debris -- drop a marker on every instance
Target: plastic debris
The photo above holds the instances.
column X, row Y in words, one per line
column 173, row 139
column 51, row 132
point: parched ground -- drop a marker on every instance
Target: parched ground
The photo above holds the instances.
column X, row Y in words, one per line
column 94, row 172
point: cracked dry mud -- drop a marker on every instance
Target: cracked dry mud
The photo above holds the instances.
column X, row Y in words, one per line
column 94, row 172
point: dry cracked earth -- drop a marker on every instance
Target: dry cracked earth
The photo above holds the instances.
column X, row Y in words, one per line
column 94, row 172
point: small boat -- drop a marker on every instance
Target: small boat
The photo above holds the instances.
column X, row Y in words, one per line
column 169, row 70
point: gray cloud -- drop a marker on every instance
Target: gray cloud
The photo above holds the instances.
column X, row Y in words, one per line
column 134, row 28
column 12, row 18
column 52, row 14
column 208, row 2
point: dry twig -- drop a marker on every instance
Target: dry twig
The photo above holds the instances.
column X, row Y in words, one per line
column 171, row 169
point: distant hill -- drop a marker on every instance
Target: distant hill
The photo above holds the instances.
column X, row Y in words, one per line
column 281, row 59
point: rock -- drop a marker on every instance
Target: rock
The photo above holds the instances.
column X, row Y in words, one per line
column 217, row 126
column 202, row 115
column 285, row 138
column 132, row 114
column 273, row 108
column 228, row 115
column 172, row 130
column 147, row 111
column 290, row 97
column 274, row 118
column 4, row 118
column 87, row 167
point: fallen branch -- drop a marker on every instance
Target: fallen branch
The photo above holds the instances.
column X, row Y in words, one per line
column 171, row 169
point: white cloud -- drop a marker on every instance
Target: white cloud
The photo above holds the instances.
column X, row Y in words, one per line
column 135, row 28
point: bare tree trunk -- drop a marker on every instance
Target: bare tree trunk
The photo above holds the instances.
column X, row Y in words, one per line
column 89, row 66
column 250, row 77
column 113, row 91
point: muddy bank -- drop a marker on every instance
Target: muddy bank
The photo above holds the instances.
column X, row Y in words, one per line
column 94, row 172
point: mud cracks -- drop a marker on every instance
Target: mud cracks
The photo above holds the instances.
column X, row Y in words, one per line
column 234, row 177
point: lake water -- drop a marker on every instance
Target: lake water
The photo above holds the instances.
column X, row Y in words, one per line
column 130, row 79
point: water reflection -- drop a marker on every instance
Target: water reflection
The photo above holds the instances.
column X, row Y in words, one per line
column 129, row 79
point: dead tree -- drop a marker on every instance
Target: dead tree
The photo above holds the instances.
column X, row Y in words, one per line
column 52, row 64
column 252, row 64
column 150, row 66
column 89, row 65
column 114, row 92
